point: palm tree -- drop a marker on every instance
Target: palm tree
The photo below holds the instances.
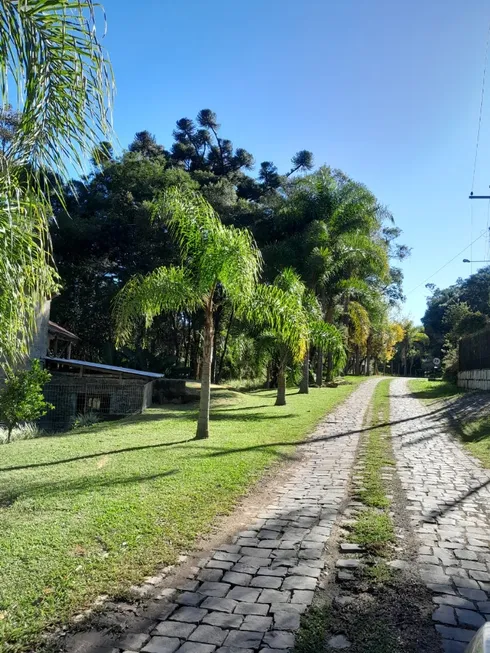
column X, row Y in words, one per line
column 414, row 339
column 359, row 327
column 293, row 322
column 54, row 65
column 338, row 223
column 338, row 272
column 216, row 261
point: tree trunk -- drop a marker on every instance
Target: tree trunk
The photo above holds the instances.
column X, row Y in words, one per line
column 217, row 324
column 329, row 367
column 319, row 367
column 268, row 383
column 357, row 364
column 187, row 360
column 225, row 347
column 176, row 339
column 207, row 360
column 368, row 357
column 194, row 359
column 329, row 320
column 304, row 386
column 9, row 433
column 281, row 385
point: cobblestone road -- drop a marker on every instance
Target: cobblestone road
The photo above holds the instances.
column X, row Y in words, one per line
column 250, row 594
column 448, row 494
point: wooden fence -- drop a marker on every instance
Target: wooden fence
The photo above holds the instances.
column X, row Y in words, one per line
column 474, row 352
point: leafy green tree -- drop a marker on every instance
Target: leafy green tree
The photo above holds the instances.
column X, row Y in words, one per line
column 216, row 260
column 101, row 238
column 269, row 176
column 384, row 337
column 460, row 321
column 53, row 63
column 414, row 340
column 359, row 326
column 446, row 307
column 22, row 399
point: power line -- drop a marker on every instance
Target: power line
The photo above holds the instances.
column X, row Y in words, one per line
column 487, row 249
column 446, row 264
column 481, row 108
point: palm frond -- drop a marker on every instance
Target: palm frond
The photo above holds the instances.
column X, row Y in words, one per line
column 145, row 297
column 279, row 313
column 62, row 79
column 331, row 340
column 216, row 253
column 359, row 324
column 27, row 275
column 311, row 305
column 53, row 65
column 290, row 282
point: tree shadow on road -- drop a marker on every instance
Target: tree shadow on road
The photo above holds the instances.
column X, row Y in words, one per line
column 210, row 450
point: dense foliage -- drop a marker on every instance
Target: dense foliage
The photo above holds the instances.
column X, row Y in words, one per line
column 329, row 229
column 452, row 313
column 21, row 397
column 54, row 68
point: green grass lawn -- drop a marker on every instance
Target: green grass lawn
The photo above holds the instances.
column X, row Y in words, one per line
column 93, row 511
column 474, row 434
column 433, row 390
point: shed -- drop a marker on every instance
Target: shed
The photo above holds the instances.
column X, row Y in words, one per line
column 81, row 387
column 60, row 340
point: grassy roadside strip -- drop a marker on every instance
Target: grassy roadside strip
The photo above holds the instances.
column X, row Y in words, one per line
column 93, row 512
column 373, row 528
column 473, row 433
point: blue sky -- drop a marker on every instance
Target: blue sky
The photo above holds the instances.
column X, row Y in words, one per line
column 387, row 91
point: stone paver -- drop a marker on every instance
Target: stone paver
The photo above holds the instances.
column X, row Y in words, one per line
column 250, row 594
column 448, row 495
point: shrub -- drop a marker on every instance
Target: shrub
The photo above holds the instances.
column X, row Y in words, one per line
column 86, row 420
column 27, row 431
column 22, row 399
column 450, row 363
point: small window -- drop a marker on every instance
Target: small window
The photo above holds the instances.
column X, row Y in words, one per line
column 88, row 403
